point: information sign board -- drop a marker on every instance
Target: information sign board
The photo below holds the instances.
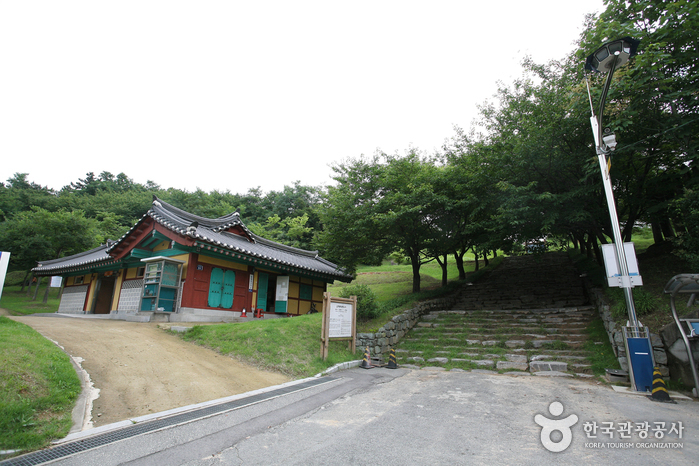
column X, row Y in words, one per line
column 339, row 322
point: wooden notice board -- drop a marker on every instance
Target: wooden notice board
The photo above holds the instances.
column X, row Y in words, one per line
column 339, row 322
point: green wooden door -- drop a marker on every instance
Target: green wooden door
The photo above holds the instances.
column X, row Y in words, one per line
column 262, row 284
column 215, row 287
column 228, row 289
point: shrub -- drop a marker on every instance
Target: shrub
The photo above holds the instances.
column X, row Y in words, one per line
column 367, row 303
column 398, row 258
column 644, row 302
column 687, row 241
column 14, row 278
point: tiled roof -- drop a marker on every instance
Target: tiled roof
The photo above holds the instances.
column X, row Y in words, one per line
column 93, row 257
column 209, row 234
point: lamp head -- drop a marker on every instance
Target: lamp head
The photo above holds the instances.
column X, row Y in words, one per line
column 604, row 58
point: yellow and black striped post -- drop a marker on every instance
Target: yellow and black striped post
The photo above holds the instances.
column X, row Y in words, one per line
column 366, row 361
column 659, row 391
column 392, row 359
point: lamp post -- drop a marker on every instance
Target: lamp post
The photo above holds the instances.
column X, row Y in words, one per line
column 608, row 58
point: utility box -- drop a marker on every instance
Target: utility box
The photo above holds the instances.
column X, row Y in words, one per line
column 161, row 283
column 640, row 353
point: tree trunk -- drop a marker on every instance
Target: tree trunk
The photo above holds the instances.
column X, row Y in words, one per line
column 24, row 281
column 415, row 264
column 586, row 246
column 485, row 258
column 36, row 288
column 595, row 248
column 476, row 255
column 416, row 275
column 443, row 265
column 29, row 287
column 666, row 226
column 459, row 258
column 657, row 232
column 46, row 293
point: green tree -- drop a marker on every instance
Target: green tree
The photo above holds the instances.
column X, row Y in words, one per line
column 42, row 235
column 529, row 168
column 19, row 194
column 379, row 205
column 352, row 232
column 291, row 231
column 688, row 240
column 653, row 106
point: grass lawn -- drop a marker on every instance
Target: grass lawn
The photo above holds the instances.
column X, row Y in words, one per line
column 393, row 284
column 288, row 345
column 601, row 356
column 18, row 303
column 292, row 346
column 38, row 388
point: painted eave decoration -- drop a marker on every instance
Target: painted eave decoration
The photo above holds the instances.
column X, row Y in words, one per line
column 226, row 235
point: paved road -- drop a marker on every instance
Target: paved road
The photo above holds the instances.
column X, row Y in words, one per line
column 420, row 417
column 451, row 418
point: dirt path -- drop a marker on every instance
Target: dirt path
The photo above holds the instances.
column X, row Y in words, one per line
column 141, row 369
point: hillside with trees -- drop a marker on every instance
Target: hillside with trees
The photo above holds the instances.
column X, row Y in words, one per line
column 526, row 171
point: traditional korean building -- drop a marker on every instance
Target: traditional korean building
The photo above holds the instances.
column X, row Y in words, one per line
column 178, row 267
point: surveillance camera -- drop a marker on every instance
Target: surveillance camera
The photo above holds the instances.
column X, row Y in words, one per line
column 609, row 141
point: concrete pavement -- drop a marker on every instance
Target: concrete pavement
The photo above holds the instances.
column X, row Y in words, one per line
column 428, row 418
column 403, row 416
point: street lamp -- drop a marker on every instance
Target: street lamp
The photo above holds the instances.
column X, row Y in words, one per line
column 639, row 351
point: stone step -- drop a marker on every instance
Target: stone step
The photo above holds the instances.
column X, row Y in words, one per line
column 543, row 357
column 536, row 366
column 514, row 343
column 531, row 308
column 521, row 336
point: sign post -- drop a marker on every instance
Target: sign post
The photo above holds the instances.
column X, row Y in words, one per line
column 4, row 262
column 339, row 322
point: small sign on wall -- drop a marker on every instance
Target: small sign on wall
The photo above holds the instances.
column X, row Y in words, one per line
column 282, row 294
column 339, row 322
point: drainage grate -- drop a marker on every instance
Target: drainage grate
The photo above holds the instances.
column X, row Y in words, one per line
column 66, row 449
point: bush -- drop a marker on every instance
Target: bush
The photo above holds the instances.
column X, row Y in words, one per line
column 687, row 241
column 644, row 302
column 367, row 303
column 398, row 258
column 15, row 278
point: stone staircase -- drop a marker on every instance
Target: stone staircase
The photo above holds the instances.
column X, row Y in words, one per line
column 528, row 315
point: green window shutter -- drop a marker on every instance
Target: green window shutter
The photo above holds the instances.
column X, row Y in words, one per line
column 228, row 289
column 306, row 292
column 215, row 287
column 262, row 284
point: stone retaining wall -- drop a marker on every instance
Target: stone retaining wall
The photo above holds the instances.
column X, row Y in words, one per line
column 616, row 335
column 390, row 334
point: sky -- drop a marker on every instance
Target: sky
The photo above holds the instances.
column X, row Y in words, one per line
column 234, row 95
